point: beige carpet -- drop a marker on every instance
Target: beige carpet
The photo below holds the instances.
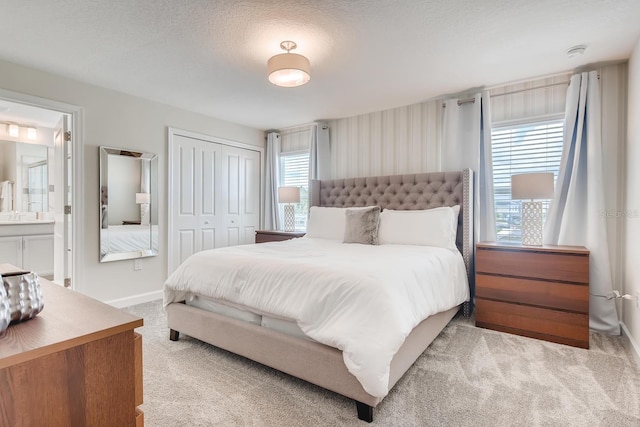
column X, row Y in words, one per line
column 468, row 377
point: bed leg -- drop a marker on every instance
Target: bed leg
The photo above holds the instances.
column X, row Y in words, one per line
column 467, row 309
column 174, row 335
column 365, row 412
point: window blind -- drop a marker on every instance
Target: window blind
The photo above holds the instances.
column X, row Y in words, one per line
column 516, row 149
column 294, row 172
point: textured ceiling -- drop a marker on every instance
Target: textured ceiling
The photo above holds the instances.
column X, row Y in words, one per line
column 366, row 55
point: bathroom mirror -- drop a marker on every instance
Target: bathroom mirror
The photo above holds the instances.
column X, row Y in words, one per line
column 128, row 204
column 24, row 178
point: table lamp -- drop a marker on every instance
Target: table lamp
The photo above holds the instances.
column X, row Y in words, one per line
column 289, row 195
column 143, row 199
column 530, row 186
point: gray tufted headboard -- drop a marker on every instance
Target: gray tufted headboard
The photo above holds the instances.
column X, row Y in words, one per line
column 407, row 192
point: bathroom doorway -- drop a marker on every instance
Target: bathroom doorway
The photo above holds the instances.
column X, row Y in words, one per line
column 38, row 172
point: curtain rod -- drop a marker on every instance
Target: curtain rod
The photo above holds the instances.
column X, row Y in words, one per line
column 472, row 100
column 462, row 101
column 530, row 88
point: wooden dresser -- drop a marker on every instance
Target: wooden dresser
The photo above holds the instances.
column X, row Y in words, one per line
column 539, row 292
column 263, row 236
column 77, row 363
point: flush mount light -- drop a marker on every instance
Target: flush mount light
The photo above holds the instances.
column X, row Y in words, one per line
column 576, row 51
column 289, row 69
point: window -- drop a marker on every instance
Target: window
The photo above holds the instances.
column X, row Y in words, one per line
column 523, row 148
column 294, row 171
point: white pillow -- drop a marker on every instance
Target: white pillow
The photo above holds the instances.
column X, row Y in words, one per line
column 429, row 227
column 327, row 223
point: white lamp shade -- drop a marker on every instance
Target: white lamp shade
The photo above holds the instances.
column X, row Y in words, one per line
column 289, row 194
column 530, row 186
column 289, row 70
column 143, row 198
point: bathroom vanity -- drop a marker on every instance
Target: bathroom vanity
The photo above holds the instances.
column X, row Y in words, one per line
column 28, row 245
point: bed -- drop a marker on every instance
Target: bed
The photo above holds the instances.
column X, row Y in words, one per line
column 263, row 334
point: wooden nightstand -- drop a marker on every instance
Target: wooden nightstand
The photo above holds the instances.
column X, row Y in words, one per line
column 263, row 236
column 539, row 292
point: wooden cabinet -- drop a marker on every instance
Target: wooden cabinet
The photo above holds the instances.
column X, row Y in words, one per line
column 539, row 292
column 77, row 363
column 263, row 236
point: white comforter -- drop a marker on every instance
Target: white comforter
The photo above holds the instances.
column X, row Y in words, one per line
column 361, row 299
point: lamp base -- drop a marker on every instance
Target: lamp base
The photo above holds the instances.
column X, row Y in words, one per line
column 532, row 223
column 289, row 218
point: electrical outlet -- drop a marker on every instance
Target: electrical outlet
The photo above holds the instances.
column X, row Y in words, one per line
column 137, row 264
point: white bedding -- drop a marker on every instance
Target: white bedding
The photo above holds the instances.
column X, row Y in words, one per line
column 361, row 299
column 128, row 238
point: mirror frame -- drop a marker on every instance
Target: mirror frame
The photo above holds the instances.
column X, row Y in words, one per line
column 152, row 250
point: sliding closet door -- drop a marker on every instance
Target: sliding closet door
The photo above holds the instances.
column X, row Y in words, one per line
column 215, row 195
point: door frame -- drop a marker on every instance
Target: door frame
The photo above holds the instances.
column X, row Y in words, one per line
column 171, row 134
column 77, row 170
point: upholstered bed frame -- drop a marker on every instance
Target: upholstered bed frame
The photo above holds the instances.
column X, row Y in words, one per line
column 320, row 364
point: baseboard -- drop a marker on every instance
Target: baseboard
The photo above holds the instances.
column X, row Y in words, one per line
column 135, row 299
column 634, row 344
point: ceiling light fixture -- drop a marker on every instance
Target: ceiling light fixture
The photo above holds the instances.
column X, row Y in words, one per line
column 289, row 69
column 14, row 130
column 576, row 51
column 32, row 133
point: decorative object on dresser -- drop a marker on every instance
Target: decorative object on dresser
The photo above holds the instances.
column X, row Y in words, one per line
column 289, row 195
column 538, row 292
column 23, row 293
column 78, row 363
column 263, row 236
column 530, row 186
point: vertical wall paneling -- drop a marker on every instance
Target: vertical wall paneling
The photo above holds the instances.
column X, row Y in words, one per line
column 395, row 141
column 613, row 89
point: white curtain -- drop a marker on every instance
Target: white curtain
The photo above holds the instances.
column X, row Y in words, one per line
column 466, row 143
column 575, row 215
column 320, row 153
column 271, row 181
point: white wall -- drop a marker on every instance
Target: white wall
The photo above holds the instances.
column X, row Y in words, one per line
column 118, row 120
column 631, row 312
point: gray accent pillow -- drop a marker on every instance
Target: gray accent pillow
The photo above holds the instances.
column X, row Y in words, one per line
column 362, row 225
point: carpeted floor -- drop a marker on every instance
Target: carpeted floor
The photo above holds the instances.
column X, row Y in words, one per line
column 467, row 377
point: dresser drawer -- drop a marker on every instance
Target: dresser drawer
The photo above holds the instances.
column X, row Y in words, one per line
column 540, row 265
column 563, row 296
column 551, row 325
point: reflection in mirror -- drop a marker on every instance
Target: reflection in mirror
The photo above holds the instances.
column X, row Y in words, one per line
column 128, row 204
column 24, row 177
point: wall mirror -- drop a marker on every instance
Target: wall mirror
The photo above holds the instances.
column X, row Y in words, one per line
column 128, row 204
column 25, row 178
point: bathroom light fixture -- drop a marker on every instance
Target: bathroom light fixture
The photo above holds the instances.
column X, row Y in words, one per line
column 289, row 69
column 574, row 51
column 32, row 134
column 14, row 130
